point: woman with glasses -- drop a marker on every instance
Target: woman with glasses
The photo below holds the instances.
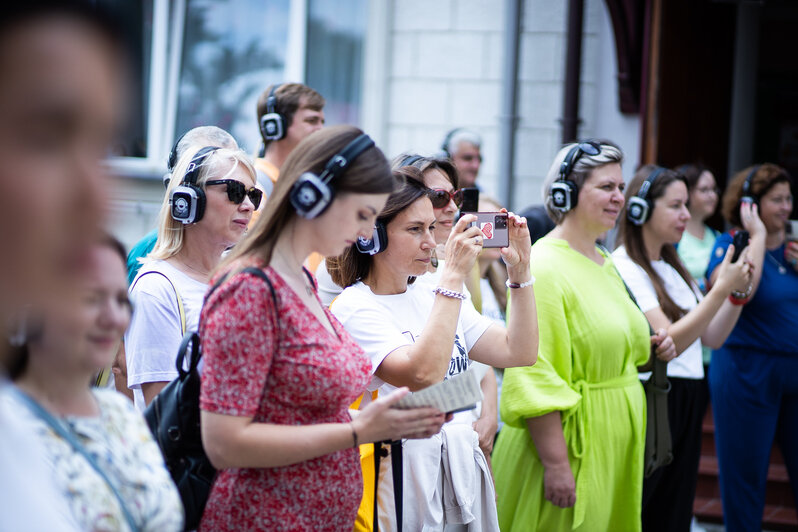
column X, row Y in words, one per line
column 206, row 210
column 698, row 238
column 418, row 334
column 570, row 456
column 280, row 371
column 753, row 379
column 120, row 483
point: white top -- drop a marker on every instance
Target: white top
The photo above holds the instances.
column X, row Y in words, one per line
column 383, row 323
column 121, row 444
column 154, row 335
column 688, row 364
column 327, row 289
column 29, row 499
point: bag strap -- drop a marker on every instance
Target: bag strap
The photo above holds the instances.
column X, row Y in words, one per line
column 180, row 309
column 658, row 383
column 396, row 470
column 67, row 435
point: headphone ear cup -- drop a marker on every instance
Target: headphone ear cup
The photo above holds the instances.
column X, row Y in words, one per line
column 310, row 196
column 564, row 195
column 272, row 126
column 638, row 210
column 378, row 242
column 187, row 203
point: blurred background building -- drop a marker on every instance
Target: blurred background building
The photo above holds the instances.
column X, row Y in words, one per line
column 670, row 81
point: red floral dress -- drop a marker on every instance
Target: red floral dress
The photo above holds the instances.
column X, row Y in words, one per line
column 284, row 368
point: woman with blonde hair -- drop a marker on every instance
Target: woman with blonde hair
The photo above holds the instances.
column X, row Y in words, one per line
column 206, row 210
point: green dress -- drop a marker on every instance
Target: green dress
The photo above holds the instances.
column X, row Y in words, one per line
column 592, row 338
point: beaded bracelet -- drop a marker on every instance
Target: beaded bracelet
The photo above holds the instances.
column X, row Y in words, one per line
column 742, row 295
column 520, row 285
column 449, row 293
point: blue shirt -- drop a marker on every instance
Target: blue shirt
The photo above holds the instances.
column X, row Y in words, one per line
column 141, row 249
column 769, row 322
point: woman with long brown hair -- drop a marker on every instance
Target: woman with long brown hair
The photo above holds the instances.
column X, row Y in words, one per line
column 665, row 291
column 280, row 370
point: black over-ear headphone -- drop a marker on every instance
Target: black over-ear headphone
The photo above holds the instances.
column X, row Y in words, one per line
column 187, row 200
column 377, row 243
column 379, row 238
column 312, row 194
column 639, row 208
column 748, row 193
column 447, row 139
column 272, row 124
column 563, row 193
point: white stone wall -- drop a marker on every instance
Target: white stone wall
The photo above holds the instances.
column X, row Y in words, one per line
column 444, row 67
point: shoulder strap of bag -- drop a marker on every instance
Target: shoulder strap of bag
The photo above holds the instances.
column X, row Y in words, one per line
column 396, row 470
column 181, row 310
column 659, row 386
column 67, row 435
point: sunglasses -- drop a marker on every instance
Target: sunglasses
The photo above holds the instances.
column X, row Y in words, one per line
column 440, row 197
column 586, row 147
column 236, row 191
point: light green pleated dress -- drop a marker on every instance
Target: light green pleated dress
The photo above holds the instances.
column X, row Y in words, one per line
column 592, row 338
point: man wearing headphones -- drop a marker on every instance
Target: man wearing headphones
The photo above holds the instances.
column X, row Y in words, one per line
column 287, row 113
column 463, row 147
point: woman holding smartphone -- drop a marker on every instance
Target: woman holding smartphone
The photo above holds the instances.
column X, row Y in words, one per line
column 754, row 376
column 665, row 291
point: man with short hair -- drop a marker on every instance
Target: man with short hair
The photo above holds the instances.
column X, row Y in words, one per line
column 463, row 147
column 287, row 113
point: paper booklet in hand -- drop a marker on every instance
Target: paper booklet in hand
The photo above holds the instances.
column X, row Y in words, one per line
column 458, row 393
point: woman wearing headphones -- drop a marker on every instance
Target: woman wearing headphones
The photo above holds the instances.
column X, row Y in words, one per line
column 656, row 217
column 754, row 376
column 417, row 335
column 203, row 213
column 280, row 370
column 571, row 452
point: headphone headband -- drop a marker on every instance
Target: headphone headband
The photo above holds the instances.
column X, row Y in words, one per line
column 446, row 140
column 646, row 186
column 271, row 100
column 192, row 171
column 338, row 163
column 749, row 180
column 410, row 160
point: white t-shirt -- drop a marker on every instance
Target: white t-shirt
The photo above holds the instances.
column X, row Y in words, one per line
column 383, row 323
column 154, row 335
column 688, row 364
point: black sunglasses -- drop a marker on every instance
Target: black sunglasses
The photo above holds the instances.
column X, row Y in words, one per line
column 236, row 191
column 586, row 147
column 441, row 197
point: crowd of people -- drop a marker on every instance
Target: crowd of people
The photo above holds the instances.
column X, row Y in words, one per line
column 327, row 283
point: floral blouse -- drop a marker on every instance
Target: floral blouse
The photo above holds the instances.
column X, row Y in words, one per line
column 121, row 443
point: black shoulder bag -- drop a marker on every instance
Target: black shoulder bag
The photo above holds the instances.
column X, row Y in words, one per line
column 174, row 419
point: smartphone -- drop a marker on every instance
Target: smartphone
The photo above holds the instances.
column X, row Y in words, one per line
column 470, row 200
column 791, row 230
column 740, row 241
column 494, row 229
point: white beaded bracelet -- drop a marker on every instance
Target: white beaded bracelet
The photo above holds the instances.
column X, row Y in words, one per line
column 449, row 293
column 520, row 285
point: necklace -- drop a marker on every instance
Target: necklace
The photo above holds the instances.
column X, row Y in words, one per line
column 782, row 269
column 303, row 279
